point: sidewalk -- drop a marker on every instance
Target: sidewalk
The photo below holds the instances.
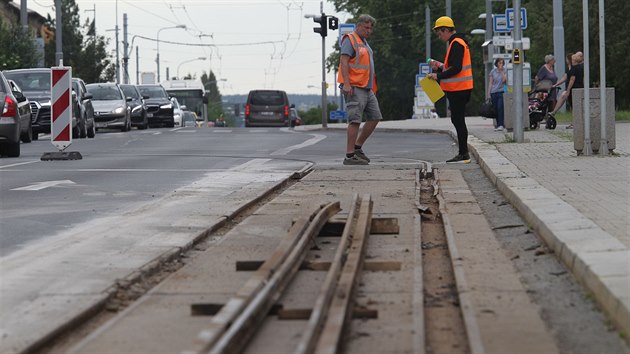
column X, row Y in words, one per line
column 580, row 205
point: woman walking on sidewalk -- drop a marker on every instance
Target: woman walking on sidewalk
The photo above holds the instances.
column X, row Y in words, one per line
column 495, row 90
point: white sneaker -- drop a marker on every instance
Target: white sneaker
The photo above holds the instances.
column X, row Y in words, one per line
column 500, row 128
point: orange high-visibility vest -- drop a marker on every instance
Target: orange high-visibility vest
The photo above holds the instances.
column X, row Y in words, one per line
column 462, row 80
column 359, row 66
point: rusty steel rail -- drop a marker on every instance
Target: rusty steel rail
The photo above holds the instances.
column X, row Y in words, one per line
column 237, row 321
column 333, row 307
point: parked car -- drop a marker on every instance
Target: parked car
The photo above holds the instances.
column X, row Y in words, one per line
column 267, row 108
column 35, row 84
column 138, row 108
column 83, row 109
column 24, row 105
column 159, row 105
column 110, row 106
column 178, row 113
column 295, row 117
column 15, row 118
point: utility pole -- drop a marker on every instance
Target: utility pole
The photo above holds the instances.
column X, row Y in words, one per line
column 117, row 52
column 517, row 60
column 325, row 22
column 427, row 30
column 24, row 16
column 125, row 51
column 58, row 34
column 558, row 39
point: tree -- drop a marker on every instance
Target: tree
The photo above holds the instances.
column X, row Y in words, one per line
column 215, row 101
column 86, row 54
column 18, row 50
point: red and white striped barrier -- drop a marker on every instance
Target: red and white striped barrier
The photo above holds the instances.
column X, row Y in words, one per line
column 61, row 107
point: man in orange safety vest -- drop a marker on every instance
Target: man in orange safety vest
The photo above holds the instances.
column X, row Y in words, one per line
column 358, row 85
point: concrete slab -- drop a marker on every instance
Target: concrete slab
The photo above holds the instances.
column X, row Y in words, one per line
column 497, row 307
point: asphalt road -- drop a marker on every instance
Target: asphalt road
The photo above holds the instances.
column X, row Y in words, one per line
column 120, row 172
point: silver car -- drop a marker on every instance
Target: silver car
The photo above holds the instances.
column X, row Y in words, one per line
column 15, row 118
column 110, row 106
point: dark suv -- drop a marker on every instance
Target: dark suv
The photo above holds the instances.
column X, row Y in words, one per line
column 35, row 84
column 267, row 108
column 159, row 105
column 138, row 108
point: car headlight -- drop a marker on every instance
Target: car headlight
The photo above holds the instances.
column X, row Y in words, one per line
column 136, row 108
column 119, row 110
column 166, row 106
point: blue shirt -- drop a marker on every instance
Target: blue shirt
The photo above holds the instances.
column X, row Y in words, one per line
column 497, row 81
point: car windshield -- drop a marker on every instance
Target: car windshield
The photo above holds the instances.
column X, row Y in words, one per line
column 130, row 91
column 267, row 98
column 153, row 92
column 104, row 93
column 31, row 81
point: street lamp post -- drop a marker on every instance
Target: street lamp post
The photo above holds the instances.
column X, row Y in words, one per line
column 157, row 59
column 187, row 61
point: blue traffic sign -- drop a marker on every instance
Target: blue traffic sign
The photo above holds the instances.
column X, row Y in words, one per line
column 423, row 69
column 338, row 115
column 344, row 29
column 499, row 22
column 509, row 13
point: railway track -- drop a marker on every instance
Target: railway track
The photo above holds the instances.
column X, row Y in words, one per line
column 374, row 276
column 239, row 318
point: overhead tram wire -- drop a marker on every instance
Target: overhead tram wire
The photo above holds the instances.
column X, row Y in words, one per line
column 210, row 45
column 149, row 12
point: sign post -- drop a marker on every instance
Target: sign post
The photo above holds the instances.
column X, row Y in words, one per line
column 61, row 114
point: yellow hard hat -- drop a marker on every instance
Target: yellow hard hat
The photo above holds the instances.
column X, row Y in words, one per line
column 444, row 21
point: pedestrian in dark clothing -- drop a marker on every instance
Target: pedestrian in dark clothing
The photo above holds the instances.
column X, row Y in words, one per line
column 575, row 79
column 456, row 80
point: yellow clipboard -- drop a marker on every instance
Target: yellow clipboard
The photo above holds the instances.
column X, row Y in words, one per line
column 432, row 89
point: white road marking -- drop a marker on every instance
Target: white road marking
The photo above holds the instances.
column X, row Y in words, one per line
column 20, row 163
column 42, row 185
column 312, row 141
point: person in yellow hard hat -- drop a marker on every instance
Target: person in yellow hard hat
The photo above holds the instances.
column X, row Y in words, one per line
column 456, row 80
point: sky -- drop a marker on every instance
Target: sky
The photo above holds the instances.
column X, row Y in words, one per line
column 251, row 44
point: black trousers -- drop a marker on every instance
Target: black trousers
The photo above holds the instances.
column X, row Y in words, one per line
column 457, row 101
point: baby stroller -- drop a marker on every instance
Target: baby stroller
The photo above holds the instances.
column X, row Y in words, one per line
column 541, row 101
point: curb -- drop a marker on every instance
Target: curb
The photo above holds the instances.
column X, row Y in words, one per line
column 597, row 259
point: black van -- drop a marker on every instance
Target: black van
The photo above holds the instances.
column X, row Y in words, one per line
column 267, row 108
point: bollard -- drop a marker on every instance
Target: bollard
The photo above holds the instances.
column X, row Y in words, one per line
column 508, row 109
column 595, row 117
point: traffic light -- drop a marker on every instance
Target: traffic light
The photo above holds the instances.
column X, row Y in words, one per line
column 333, row 23
column 323, row 23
